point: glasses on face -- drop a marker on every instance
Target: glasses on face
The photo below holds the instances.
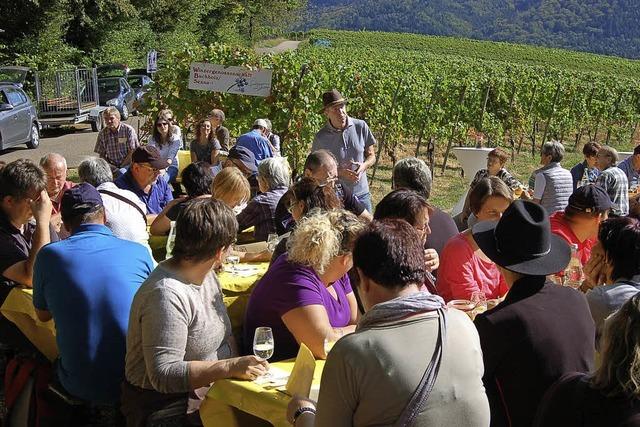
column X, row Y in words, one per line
column 162, row 124
column 151, row 168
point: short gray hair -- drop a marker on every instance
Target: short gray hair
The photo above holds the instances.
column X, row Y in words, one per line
column 275, row 172
column 51, row 159
column 95, row 171
column 611, row 153
column 554, row 149
column 414, row 174
column 111, row 111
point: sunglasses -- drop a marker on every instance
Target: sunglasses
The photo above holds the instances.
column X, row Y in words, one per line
column 163, row 124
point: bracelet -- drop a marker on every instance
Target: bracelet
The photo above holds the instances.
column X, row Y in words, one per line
column 301, row 411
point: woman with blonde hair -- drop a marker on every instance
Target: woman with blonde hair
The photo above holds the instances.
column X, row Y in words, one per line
column 167, row 138
column 231, row 187
column 306, row 296
column 610, row 396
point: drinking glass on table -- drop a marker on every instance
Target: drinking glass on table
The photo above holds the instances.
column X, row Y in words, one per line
column 263, row 342
column 272, row 241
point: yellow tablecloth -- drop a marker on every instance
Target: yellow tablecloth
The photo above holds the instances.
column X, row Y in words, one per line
column 18, row 308
column 266, row 404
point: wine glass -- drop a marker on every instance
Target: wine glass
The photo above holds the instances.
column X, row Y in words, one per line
column 263, row 344
column 272, row 241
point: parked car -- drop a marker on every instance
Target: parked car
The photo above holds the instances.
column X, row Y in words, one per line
column 140, row 84
column 18, row 118
column 116, row 92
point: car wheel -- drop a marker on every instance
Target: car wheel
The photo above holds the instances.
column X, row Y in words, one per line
column 35, row 136
column 124, row 114
column 96, row 125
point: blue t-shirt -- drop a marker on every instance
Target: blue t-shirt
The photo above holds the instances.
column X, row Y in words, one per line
column 87, row 282
column 157, row 198
column 258, row 144
column 627, row 167
column 347, row 145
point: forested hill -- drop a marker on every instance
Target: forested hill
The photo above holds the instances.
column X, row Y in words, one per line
column 601, row 26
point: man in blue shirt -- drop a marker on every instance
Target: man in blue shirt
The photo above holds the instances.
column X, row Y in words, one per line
column 86, row 283
column 351, row 142
column 256, row 141
column 142, row 179
column 631, row 167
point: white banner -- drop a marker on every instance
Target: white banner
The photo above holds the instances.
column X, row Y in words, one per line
column 239, row 80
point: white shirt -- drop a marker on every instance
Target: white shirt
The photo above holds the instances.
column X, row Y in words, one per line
column 123, row 219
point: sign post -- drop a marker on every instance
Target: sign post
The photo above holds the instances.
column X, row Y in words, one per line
column 238, row 80
column 152, row 62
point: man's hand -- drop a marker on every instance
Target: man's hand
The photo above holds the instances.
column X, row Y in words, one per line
column 247, row 367
column 353, row 173
column 596, row 268
column 431, row 259
column 41, row 208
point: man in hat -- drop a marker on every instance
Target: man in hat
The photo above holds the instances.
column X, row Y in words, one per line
column 142, row 179
column 243, row 159
column 351, row 142
column 541, row 331
column 588, row 206
column 256, row 141
column 86, row 284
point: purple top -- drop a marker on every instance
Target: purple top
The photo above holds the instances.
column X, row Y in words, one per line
column 286, row 286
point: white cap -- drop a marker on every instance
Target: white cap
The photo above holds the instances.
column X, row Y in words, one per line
column 261, row 123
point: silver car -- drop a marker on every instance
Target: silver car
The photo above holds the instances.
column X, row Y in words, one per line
column 18, row 118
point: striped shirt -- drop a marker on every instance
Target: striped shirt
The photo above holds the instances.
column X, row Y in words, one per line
column 503, row 174
column 614, row 181
column 115, row 146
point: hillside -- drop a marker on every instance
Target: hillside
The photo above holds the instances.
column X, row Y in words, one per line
column 600, row 26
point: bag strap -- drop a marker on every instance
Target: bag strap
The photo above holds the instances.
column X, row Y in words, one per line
column 124, row 199
column 422, row 392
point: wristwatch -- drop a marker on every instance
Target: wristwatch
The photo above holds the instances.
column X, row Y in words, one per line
column 301, row 411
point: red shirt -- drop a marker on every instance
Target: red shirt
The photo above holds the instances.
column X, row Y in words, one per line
column 462, row 272
column 561, row 227
column 58, row 200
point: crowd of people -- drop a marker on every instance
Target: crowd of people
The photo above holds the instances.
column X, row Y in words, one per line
column 144, row 340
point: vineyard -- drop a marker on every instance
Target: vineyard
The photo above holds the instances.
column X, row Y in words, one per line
column 422, row 94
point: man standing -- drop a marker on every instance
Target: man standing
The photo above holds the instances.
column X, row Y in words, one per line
column 86, row 283
column 142, row 179
column 613, row 180
column 23, row 196
column 541, row 331
column 351, row 142
column 631, row 167
column 256, row 141
column 116, row 141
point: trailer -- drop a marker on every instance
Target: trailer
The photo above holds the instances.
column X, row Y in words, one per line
column 68, row 97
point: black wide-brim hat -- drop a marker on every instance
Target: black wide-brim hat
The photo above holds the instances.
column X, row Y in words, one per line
column 331, row 98
column 522, row 241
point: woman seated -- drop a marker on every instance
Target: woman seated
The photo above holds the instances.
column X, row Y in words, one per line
column 413, row 208
column 373, row 376
column 167, row 138
column 464, row 269
column 273, row 180
column 205, row 147
column 196, row 179
column 496, row 160
column 231, row 187
column 179, row 338
column 305, row 195
column 611, row 395
column 620, row 240
column 306, row 295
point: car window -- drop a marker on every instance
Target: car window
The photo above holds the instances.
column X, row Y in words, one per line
column 3, row 98
column 15, row 97
column 109, row 86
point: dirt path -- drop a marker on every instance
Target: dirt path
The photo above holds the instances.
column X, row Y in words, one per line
column 282, row 47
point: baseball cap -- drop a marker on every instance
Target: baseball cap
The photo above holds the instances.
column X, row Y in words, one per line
column 79, row 199
column 590, row 198
column 262, row 123
column 245, row 155
column 149, row 154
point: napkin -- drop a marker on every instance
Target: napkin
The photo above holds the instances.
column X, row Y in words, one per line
column 252, row 247
column 301, row 377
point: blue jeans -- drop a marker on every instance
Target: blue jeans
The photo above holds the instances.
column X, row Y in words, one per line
column 365, row 199
column 170, row 174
